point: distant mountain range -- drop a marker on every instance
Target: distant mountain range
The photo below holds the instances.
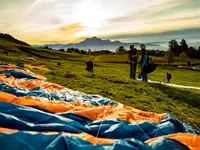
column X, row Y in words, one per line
column 12, row 39
column 95, row 43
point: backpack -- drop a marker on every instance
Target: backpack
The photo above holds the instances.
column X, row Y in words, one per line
column 150, row 67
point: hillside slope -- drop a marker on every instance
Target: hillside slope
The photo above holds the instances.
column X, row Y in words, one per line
column 8, row 37
column 24, row 51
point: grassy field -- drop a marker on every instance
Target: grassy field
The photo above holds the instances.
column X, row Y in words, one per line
column 111, row 79
column 179, row 76
column 122, row 58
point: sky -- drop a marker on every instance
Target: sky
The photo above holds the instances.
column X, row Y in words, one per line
column 69, row 21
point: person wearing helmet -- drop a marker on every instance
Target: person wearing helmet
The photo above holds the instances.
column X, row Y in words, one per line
column 132, row 57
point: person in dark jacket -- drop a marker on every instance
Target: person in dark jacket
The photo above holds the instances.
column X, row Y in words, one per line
column 132, row 57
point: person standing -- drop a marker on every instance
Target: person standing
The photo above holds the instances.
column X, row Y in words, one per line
column 144, row 63
column 133, row 56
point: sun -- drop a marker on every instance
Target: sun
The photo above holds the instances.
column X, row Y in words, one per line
column 89, row 14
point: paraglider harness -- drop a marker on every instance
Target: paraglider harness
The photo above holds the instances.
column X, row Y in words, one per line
column 150, row 67
column 147, row 68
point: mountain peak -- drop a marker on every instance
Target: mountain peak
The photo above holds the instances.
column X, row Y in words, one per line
column 94, row 41
column 94, row 37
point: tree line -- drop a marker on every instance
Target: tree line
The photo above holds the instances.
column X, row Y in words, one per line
column 182, row 50
column 177, row 49
column 122, row 50
column 84, row 52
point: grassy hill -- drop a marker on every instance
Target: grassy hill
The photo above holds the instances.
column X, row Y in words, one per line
column 23, row 52
column 8, row 37
column 111, row 79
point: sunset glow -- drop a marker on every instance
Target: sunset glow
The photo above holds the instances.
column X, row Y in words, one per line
column 65, row 21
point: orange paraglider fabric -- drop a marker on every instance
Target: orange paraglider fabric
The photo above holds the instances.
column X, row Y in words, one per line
column 122, row 112
column 188, row 139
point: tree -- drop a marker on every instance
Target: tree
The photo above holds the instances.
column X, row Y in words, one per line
column 197, row 55
column 173, row 45
column 191, row 51
column 46, row 47
column 89, row 51
column 61, row 50
column 117, row 50
column 183, row 45
column 183, row 56
column 169, row 56
column 121, row 50
column 83, row 52
column 69, row 50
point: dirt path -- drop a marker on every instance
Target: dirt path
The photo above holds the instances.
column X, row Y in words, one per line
column 175, row 85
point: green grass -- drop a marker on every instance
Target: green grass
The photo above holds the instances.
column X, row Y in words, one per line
column 179, row 76
column 111, row 79
column 123, row 58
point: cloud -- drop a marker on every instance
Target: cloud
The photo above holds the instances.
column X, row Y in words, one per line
column 71, row 29
column 38, row 3
column 56, row 20
column 167, row 9
column 47, row 14
column 143, row 12
column 61, row 34
column 159, row 16
column 192, row 34
column 59, row 41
